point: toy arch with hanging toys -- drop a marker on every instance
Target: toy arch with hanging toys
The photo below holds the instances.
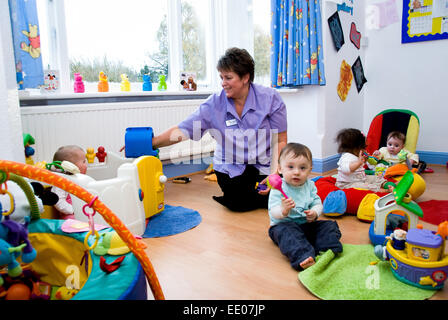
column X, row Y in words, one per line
column 138, row 266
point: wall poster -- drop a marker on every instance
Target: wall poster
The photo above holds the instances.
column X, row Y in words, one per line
column 424, row 20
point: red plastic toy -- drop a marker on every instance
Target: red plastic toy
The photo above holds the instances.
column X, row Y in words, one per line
column 101, row 154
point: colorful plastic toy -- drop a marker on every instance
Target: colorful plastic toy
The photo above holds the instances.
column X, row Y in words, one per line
column 125, row 84
column 103, row 84
column 28, row 141
column 90, row 155
column 162, row 83
column 101, row 154
column 147, row 85
column 399, row 206
column 397, row 171
column 421, row 262
column 78, row 86
column 132, row 188
column 138, row 142
column 275, row 182
column 49, row 240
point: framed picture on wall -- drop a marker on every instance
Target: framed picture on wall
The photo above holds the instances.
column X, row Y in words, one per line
column 336, row 31
column 358, row 74
column 424, row 20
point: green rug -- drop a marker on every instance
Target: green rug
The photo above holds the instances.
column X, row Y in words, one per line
column 351, row 276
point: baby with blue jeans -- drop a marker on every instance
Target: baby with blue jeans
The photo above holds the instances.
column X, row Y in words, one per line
column 294, row 224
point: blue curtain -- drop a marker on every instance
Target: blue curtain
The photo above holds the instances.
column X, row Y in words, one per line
column 26, row 39
column 296, row 46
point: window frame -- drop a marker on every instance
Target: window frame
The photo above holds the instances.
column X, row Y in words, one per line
column 221, row 24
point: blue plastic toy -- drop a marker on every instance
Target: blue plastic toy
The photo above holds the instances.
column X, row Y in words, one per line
column 147, row 85
column 138, row 142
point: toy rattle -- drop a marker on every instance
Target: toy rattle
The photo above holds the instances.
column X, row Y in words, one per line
column 275, row 181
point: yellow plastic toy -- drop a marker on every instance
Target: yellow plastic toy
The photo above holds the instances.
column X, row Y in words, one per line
column 152, row 183
column 397, row 172
column 125, row 84
column 90, row 155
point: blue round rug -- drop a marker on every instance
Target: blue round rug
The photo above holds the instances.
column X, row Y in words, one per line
column 172, row 220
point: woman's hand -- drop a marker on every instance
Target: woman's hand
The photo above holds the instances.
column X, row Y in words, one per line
column 265, row 191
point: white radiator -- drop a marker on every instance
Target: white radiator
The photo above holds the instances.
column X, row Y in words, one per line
column 104, row 124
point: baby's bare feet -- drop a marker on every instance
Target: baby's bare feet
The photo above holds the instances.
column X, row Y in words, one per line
column 308, row 262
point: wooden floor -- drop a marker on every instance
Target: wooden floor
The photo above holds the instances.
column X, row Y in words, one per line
column 229, row 256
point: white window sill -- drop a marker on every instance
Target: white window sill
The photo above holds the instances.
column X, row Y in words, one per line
column 37, row 95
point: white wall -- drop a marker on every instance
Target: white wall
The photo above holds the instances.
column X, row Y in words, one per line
column 11, row 140
column 411, row 75
column 316, row 113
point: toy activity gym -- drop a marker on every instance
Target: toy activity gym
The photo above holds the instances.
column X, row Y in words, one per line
column 115, row 254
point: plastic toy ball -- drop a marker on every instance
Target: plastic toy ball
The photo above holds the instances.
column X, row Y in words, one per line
column 18, row 291
column 275, row 181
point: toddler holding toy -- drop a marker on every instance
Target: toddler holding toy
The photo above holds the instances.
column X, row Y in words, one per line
column 69, row 159
column 294, row 224
column 394, row 152
column 351, row 172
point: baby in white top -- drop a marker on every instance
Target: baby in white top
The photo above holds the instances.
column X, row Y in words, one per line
column 351, row 171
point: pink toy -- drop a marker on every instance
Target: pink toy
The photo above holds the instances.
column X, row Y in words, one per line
column 79, row 84
column 275, row 181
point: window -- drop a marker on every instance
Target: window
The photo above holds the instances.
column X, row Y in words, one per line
column 262, row 40
column 139, row 37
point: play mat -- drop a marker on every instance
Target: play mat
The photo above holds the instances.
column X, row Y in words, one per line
column 69, row 259
column 356, row 274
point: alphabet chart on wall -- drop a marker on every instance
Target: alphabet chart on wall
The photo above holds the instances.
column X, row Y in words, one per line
column 424, row 20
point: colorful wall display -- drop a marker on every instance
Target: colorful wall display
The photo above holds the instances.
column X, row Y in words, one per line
column 424, row 20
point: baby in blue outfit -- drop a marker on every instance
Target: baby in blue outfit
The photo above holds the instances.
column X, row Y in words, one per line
column 295, row 227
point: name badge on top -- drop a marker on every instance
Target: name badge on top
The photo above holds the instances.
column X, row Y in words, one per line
column 231, row 122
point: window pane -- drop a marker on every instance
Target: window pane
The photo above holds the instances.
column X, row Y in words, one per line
column 194, row 15
column 262, row 25
column 117, row 37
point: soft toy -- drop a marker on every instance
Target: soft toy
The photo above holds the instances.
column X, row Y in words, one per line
column 8, row 256
column 111, row 243
column 366, row 209
column 16, row 234
column 326, row 191
column 64, row 293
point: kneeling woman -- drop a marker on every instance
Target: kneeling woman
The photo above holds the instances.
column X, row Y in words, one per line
column 248, row 122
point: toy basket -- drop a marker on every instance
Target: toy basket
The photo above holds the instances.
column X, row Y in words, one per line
column 58, row 250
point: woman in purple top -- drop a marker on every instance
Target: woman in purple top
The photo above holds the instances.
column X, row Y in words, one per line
column 248, row 122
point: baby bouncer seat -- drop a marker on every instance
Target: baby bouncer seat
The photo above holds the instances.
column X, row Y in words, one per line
column 389, row 120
